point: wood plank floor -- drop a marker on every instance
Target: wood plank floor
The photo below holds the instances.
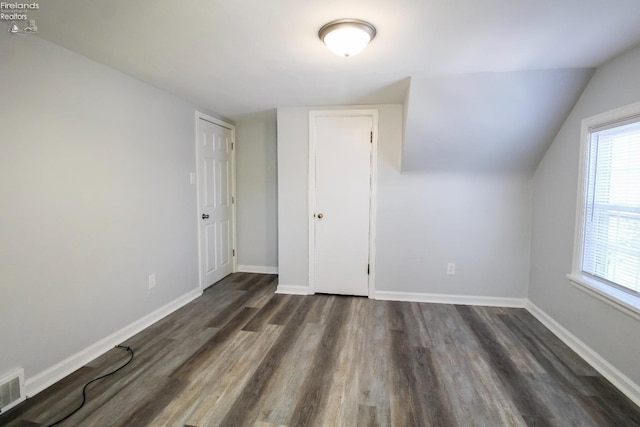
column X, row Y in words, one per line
column 243, row 356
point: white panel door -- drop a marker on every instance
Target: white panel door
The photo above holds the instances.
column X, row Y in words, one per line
column 215, row 192
column 341, row 203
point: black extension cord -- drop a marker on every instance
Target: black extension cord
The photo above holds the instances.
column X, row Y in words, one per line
column 84, row 389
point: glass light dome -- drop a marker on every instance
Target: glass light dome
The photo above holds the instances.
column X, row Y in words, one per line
column 347, row 37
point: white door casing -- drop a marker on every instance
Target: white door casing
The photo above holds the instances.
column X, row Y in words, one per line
column 342, row 147
column 216, row 198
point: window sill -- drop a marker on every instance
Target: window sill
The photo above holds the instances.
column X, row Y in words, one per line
column 616, row 298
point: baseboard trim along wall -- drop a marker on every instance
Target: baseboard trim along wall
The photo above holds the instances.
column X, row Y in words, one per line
column 39, row 382
column 293, row 289
column 451, row 299
column 617, row 378
column 257, row 269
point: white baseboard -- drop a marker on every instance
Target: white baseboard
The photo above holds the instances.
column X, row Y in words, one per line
column 46, row 378
column 293, row 290
column 257, row 269
column 450, row 299
column 617, row 378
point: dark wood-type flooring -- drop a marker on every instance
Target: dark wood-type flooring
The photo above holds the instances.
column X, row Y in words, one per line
column 243, row 356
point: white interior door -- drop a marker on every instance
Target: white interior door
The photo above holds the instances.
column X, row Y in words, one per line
column 341, row 202
column 215, row 200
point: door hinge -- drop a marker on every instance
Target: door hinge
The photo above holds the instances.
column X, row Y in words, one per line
column 233, row 200
column 232, row 145
column 371, row 137
column 368, row 269
column 233, row 252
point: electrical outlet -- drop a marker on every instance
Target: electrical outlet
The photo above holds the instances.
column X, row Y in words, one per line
column 451, row 269
column 152, row 281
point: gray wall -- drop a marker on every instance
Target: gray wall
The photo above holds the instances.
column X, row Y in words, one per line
column 95, row 193
column 257, row 209
column 480, row 222
column 612, row 334
column 293, row 187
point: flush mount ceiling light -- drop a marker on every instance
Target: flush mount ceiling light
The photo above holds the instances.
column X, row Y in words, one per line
column 347, row 37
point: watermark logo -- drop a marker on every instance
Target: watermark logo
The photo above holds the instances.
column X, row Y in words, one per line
column 18, row 14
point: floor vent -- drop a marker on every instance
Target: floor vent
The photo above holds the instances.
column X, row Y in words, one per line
column 11, row 390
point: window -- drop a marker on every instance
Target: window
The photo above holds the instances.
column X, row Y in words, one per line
column 607, row 253
column 611, row 249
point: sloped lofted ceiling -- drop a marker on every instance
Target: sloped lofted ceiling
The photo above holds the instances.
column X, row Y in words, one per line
column 470, row 61
column 487, row 122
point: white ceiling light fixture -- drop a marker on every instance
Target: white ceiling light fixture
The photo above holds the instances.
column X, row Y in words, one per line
column 347, row 37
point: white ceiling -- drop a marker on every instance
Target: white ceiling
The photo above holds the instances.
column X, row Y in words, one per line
column 239, row 56
column 491, row 80
column 487, row 122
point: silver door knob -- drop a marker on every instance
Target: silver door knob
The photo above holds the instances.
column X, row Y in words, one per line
column 205, row 216
column 320, row 216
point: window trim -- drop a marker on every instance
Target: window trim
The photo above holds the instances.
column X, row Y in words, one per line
column 600, row 289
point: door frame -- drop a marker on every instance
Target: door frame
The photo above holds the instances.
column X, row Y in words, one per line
column 202, row 116
column 313, row 114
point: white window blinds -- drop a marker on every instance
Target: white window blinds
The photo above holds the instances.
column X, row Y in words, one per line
column 611, row 249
